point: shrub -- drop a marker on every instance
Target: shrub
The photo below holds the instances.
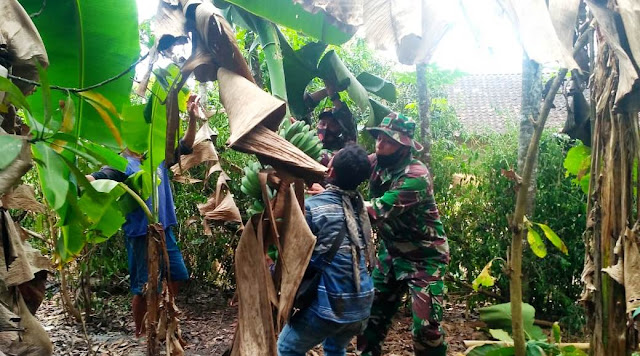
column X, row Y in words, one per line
column 475, row 216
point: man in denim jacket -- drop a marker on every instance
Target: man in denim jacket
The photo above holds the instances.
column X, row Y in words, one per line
column 345, row 290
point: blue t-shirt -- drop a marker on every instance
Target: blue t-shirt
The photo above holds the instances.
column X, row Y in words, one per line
column 136, row 221
column 338, row 299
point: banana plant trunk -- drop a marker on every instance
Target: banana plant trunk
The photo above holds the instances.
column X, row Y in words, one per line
column 615, row 143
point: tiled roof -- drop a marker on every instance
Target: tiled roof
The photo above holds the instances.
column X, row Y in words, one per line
column 491, row 102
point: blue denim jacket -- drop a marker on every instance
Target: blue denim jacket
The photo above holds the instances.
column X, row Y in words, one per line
column 338, row 299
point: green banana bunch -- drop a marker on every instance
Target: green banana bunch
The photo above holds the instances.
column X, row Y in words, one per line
column 256, row 208
column 301, row 136
column 249, row 184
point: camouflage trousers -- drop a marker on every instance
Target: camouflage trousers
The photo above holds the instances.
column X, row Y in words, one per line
column 391, row 281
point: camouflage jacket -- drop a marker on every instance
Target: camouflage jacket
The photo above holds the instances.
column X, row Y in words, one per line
column 404, row 210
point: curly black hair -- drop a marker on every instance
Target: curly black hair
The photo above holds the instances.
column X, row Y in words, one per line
column 351, row 167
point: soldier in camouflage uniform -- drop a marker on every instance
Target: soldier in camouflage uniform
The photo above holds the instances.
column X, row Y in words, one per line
column 413, row 252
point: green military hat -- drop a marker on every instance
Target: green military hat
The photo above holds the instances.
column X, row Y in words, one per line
column 398, row 127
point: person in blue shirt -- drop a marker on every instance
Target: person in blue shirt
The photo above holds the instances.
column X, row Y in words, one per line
column 345, row 291
column 135, row 226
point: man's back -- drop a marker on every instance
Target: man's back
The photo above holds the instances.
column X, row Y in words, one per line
column 338, row 298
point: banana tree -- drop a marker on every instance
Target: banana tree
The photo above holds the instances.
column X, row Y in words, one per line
column 291, row 70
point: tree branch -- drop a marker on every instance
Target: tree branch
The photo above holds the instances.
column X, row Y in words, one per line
column 79, row 90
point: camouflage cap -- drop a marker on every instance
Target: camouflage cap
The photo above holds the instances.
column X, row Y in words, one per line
column 398, row 127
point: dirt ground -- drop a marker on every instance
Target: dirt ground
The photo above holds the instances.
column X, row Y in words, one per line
column 208, row 325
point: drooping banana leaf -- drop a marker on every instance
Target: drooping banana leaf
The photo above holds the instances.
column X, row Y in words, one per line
column 300, row 67
column 293, row 16
column 379, row 111
column 378, row 86
column 333, row 69
column 88, row 42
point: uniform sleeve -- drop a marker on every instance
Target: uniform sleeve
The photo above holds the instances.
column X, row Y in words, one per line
column 406, row 193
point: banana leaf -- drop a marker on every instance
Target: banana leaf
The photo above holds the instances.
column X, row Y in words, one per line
column 293, row 16
column 498, row 316
column 87, row 42
column 333, row 69
column 378, row 86
column 379, row 111
column 300, row 67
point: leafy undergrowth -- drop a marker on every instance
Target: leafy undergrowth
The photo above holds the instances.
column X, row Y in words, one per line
column 208, row 325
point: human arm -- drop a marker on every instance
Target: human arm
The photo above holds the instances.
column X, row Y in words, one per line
column 404, row 194
column 185, row 145
column 107, row 172
column 193, row 109
column 315, row 189
column 312, row 100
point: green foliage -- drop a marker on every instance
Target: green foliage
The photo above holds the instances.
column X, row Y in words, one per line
column 378, row 86
column 578, row 164
column 333, row 69
column 498, row 316
column 485, row 278
column 293, row 16
column 11, row 146
column 553, row 237
column 475, row 215
column 300, row 67
column 53, row 171
column 92, row 216
column 492, row 350
column 533, row 348
column 537, row 342
column 87, row 50
column 14, row 95
column 536, row 243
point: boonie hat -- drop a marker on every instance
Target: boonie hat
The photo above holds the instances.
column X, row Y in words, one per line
column 398, row 127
